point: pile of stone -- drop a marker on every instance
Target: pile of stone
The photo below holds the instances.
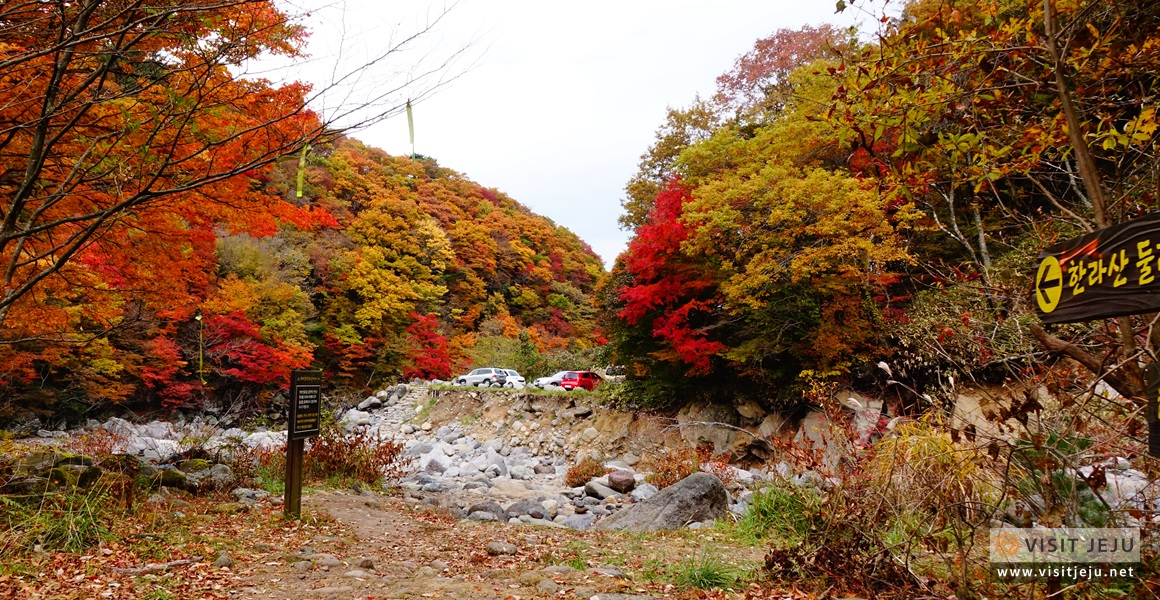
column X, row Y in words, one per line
column 53, row 469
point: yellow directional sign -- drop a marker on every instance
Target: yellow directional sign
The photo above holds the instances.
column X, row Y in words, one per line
column 1107, row 273
column 1049, row 284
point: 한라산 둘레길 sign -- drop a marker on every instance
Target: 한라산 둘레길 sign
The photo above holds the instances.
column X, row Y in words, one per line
column 1109, row 273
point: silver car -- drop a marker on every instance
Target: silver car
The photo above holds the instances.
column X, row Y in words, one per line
column 485, row 376
column 550, row 381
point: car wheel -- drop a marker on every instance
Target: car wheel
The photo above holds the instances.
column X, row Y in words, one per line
column 461, row 382
column 510, row 385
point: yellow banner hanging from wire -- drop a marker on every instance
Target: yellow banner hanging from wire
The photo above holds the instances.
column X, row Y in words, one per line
column 411, row 125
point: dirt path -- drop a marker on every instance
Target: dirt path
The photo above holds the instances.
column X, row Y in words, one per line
column 420, row 553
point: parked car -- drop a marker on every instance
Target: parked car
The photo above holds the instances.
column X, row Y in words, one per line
column 487, row 376
column 549, row 381
column 580, row 379
column 514, row 380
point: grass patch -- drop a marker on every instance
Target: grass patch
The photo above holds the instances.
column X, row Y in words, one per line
column 70, row 520
column 424, row 411
column 577, row 553
column 781, row 513
column 707, row 573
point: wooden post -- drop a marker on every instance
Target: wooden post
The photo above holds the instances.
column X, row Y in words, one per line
column 293, row 501
column 305, row 420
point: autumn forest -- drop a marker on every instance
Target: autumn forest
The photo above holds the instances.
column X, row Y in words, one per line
column 175, row 237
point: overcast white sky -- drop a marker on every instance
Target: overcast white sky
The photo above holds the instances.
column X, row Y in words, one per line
column 563, row 97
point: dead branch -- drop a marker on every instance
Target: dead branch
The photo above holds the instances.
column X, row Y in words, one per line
column 1092, row 363
column 155, row 567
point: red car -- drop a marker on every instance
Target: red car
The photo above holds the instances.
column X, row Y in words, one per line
column 580, row 379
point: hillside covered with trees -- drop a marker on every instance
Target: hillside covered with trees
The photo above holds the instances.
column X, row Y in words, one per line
column 166, row 241
column 386, row 267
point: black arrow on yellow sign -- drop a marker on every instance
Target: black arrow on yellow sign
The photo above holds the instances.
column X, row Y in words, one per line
column 1049, row 284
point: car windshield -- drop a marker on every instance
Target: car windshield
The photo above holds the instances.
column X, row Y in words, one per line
column 571, row 375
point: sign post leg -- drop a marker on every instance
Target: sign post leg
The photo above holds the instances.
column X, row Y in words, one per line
column 293, row 500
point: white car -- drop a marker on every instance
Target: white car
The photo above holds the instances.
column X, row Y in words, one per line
column 550, row 381
column 486, row 376
column 514, row 380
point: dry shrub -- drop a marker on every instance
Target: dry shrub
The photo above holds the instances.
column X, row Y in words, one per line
column 843, row 549
column 364, row 456
column 584, row 471
column 914, row 502
column 99, row 442
column 671, row 466
column 271, row 459
column 722, row 470
column 920, row 467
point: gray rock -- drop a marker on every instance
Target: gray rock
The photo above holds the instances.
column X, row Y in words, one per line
column 482, row 515
column 590, row 434
column 622, row 481
column 365, row 563
column 223, row 560
column 643, row 492
column 596, row 490
column 610, row 572
column 420, row 448
column 488, row 506
column 700, row 497
column 529, row 507
column 579, row 521
column 369, row 403
column 548, row 586
column 493, row 445
column 521, row 472
column 357, row 574
column 325, row 560
column 302, row 566
column 558, row 570
column 525, row 519
column 500, row 548
column 495, row 459
column 439, row 565
column 435, row 461
column 216, row 477
column 353, row 418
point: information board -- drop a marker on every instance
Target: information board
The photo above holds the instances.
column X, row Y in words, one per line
column 1109, row 273
column 305, row 404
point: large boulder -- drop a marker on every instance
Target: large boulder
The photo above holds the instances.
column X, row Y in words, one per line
column 698, row 498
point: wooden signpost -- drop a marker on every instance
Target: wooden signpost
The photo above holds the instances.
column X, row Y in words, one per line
column 305, row 421
column 1110, row 273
